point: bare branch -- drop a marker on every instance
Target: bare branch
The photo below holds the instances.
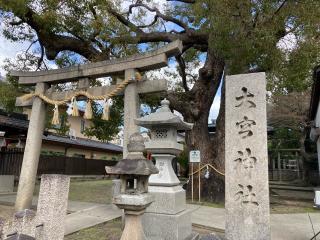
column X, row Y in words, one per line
column 31, row 45
column 280, row 7
column 160, row 15
column 17, row 23
column 150, row 24
column 40, row 60
column 124, row 21
column 182, row 72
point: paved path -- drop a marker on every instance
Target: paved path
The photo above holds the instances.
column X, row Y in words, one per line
column 283, row 226
column 90, row 217
column 83, row 214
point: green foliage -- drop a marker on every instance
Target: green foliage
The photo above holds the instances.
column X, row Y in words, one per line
column 9, row 92
column 253, row 35
column 284, row 138
column 106, row 130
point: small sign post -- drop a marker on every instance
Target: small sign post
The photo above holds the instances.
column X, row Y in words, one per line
column 195, row 157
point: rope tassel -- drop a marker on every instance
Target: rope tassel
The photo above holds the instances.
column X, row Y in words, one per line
column 88, row 111
column 55, row 118
column 106, row 111
column 74, row 107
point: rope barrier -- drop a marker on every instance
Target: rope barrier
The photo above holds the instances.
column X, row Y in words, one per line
column 216, row 170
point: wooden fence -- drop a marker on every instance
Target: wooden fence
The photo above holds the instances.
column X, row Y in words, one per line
column 11, row 161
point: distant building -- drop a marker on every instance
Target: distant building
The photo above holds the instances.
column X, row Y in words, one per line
column 14, row 127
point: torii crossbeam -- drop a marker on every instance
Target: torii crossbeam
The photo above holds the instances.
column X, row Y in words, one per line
column 126, row 67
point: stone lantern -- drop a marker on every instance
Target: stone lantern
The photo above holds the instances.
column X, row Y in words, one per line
column 167, row 217
column 134, row 172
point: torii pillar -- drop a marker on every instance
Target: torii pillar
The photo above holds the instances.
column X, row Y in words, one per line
column 131, row 109
column 32, row 151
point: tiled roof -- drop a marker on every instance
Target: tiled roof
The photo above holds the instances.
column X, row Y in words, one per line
column 83, row 142
column 20, row 124
column 13, row 122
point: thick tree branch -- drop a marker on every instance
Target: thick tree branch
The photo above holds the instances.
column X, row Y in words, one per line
column 280, row 7
column 55, row 43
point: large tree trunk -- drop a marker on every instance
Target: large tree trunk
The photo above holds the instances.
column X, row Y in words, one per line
column 308, row 162
column 195, row 107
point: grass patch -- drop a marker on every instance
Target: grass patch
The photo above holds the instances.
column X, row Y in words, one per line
column 95, row 191
column 110, row 230
column 99, row 191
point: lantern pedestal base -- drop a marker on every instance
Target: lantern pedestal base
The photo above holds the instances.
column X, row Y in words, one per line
column 166, row 175
column 167, row 226
column 168, row 200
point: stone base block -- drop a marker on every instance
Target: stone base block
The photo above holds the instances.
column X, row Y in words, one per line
column 168, row 200
column 6, row 183
column 168, row 227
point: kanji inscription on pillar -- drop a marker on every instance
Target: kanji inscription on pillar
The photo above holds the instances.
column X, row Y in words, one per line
column 246, row 158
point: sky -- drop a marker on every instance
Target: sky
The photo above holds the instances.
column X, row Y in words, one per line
column 9, row 49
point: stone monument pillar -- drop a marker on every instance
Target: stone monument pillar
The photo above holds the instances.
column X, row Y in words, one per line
column 167, row 217
column 246, row 159
column 49, row 220
column 133, row 197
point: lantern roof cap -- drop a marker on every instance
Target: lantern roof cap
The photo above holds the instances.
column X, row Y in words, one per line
column 137, row 167
column 163, row 118
column 135, row 163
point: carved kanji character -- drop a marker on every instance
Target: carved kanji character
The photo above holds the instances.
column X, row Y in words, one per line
column 244, row 99
column 245, row 127
column 246, row 195
column 245, row 159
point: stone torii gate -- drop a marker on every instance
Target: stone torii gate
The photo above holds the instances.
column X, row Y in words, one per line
column 126, row 67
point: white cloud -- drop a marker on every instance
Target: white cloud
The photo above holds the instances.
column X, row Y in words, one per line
column 288, row 42
column 9, row 49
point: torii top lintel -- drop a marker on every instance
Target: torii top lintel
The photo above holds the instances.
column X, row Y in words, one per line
column 147, row 61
